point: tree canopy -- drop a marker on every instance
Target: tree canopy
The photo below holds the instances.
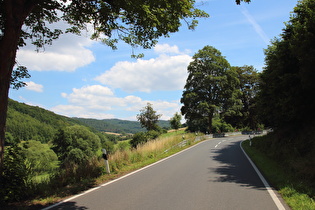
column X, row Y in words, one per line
column 148, row 118
column 248, row 86
column 210, row 87
column 175, row 121
column 288, row 85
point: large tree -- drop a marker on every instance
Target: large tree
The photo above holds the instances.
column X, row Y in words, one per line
column 211, row 87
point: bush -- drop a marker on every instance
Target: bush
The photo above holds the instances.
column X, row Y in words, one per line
column 153, row 134
column 138, row 138
column 220, row 126
column 14, row 178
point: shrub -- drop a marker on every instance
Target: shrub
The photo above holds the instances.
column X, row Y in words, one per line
column 14, row 177
column 138, row 138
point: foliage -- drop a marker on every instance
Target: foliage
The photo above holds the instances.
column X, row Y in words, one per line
column 26, row 122
column 117, row 125
column 106, row 143
column 248, row 85
column 14, row 177
column 288, row 79
column 296, row 187
column 75, row 145
column 143, row 137
column 148, row 118
column 286, row 100
column 176, row 121
column 18, row 74
column 138, row 138
column 211, row 88
column 220, row 126
column 40, row 157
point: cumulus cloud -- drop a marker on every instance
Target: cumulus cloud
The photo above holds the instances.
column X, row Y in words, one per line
column 166, row 48
column 34, row 87
column 100, row 102
column 162, row 73
column 67, row 53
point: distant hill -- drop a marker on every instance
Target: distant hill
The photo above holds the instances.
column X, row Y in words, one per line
column 25, row 122
column 118, row 126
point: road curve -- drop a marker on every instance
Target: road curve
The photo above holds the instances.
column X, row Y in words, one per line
column 214, row 174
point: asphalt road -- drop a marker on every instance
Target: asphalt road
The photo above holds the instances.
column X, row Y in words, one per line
column 214, row 174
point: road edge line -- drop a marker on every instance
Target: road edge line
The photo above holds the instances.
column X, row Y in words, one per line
column 122, row 177
column 271, row 192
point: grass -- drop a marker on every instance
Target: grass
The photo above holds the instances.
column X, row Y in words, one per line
column 124, row 160
column 294, row 190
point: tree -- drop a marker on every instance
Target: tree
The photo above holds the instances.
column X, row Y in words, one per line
column 141, row 25
column 175, row 121
column 287, row 87
column 210, row 87
column 75, row 145
column 40, row 157
column 248, row 86
column 148, row 118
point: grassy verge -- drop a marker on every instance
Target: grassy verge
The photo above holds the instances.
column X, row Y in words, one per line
column 296, row 192
column 121, row 162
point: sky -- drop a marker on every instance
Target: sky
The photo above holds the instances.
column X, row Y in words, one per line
column 78, row 77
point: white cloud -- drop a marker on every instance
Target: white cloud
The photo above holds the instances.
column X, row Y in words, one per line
column 67, row 53
column 166, row 48
column 79, row 111
column 34, row 87
column 162, row 73
column 258, row 29
column 99, row 102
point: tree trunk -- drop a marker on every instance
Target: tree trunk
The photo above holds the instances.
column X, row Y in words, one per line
column 15, row 13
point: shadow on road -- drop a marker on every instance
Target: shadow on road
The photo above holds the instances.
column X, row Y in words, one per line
column 232, row 166
column 69, row 206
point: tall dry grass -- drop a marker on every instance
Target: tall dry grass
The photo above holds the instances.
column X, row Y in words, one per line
column 152, row 150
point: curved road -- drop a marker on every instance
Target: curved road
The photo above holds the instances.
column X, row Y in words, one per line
column 214, row 174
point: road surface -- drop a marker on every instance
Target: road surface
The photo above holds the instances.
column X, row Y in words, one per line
column 214, row 174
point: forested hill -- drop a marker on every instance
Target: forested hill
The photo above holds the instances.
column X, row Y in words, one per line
column 25, row 122
column 118, row 126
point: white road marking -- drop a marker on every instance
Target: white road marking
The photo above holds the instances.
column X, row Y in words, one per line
column 264, row 181
column 115, row 180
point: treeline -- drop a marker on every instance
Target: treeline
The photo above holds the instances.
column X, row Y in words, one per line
column 117, row 125
column 286, row 97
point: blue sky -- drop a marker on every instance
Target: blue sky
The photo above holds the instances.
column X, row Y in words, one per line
column 77, row 77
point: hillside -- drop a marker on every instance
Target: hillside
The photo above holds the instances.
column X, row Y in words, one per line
column 118, row 126
column 25, row 122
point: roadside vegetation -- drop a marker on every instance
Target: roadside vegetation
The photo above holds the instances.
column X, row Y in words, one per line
column 293, row 179
column 41, row 190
